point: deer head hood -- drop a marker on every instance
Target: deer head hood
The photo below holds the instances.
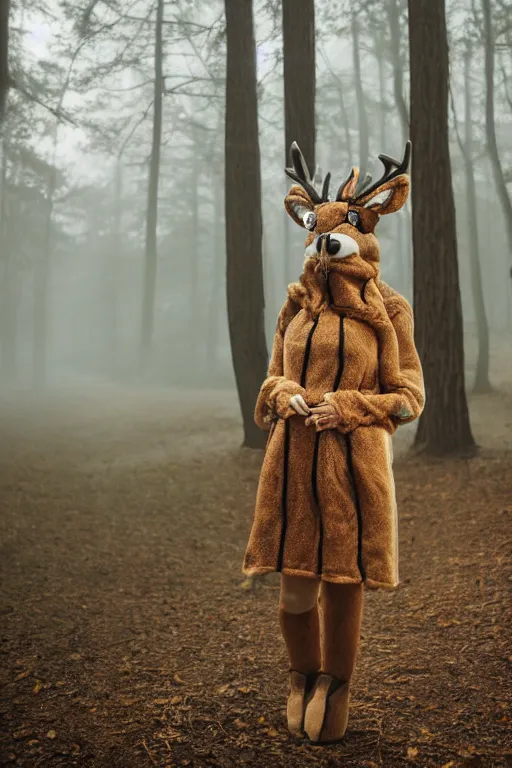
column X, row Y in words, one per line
column 341, row 237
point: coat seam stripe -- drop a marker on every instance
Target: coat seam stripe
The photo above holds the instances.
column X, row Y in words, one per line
column 358, row 509
column 284, row 494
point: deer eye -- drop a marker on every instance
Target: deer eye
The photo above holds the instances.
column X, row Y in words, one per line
column 309, row 220
column 354, row 219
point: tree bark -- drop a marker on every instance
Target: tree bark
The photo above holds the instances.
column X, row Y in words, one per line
column 215, row 294
column 8, row 283
column 404, row 217
column 113, row 266
column 299, row 73
column 444, row 426
column 244, row 272
column 345, row 119
column 196, row 316
column 398, row 74
column 490, row 128
column 5, row 80
column 42, row 274
column 482, row 383
column 362, row 117
column 148, row 305
column 381, row 63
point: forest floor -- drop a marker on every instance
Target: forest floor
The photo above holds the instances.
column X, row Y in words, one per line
column 128, row 638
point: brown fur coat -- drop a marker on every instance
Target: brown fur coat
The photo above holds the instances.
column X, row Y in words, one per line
column 325, row 505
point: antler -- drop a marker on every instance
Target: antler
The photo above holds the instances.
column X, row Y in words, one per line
column 300, row 173
column 389, row 163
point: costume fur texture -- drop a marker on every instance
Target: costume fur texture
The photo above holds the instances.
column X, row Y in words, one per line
column 326, row 505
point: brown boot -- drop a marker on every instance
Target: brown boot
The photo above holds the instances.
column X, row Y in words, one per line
column 326, row 715
column 327, row 711
column 301, row 633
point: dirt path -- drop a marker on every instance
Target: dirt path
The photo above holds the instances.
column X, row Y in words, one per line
column 127, row 639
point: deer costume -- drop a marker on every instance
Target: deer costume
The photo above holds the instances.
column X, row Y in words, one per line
column 343, row 375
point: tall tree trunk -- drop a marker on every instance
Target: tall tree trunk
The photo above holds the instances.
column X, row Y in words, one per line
column 112, row 276
column 490, row 127
column 299, row 77
column 403, row 221
column 381, row 63
column 482, row 383
column 362, row 117
column 43, row 262
column 42, row 275
column 299, row 73
column 244, row 270
column 345, row 119
column 398, row 74
column 8, row 306
column 5, row 79
column 215, row 292
column 148, row 305
column 444, row 426
column 195, row 300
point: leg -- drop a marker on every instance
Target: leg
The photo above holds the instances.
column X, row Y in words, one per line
column 326, row 717
column 342, row 608
column 299, row 621
column 300, row 627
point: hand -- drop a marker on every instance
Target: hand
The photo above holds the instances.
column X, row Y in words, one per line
column 299, row 405
column 323, row 416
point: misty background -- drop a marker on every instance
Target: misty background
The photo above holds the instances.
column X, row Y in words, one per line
column 76, row 151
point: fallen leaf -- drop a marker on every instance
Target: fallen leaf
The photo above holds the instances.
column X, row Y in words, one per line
column 412, row 752
column 51, row 734
column 272, row 732
column 37, row 686
column 160, row 702
column 127, row 702
column 447, row 622
column 21, row 675
column 261, row 719
column 177, row 679
column 448, row 765
column 240, row 723
column 176, row 700
column 22, row 733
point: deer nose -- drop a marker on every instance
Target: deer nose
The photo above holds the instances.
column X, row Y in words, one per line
column 332, row 246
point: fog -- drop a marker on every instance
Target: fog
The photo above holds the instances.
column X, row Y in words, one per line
column 76, row 150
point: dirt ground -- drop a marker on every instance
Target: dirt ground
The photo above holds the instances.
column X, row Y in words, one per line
column 128, row 636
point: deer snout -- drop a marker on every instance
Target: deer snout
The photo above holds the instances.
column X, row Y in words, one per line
column 336, row 244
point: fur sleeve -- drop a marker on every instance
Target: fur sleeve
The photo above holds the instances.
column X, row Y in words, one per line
column 402, row 395
column 276, row 390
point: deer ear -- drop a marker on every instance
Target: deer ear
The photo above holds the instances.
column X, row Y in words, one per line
column 298, row 204
column 389, row 197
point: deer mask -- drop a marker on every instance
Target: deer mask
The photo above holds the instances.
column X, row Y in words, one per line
column 341, row 235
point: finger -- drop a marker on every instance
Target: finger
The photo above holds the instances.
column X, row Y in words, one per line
column 303, row 403
column 321, row 410
column 298, row 404
column 328, row 424
column 319, row 421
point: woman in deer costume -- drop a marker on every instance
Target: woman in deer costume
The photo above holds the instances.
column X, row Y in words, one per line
column 343, row 374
